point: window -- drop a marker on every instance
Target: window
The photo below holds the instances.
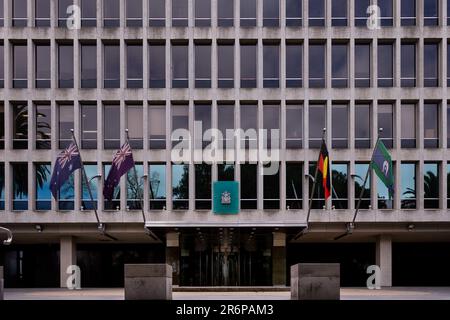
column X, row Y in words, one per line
column 386, row 122
column 202, row 13
column 317, row 121
column 339, row 176
column 179, row 13
column 2, row 65
column 294, row 65
column 318, row 198
column 408, row 12
column 271, row 13
column 294, row 12
column 114, row 204
column 431, row 65
column 20, row 66
column 225, row 172
column 134, row 13
column 271, row 123
column 408, row 186
column 42, row 13
column 65, row 125
column 225, row 116
column 20, row 125
column 88, row 13
column 202, row 114
column 361, row 12
column 249, row 186
column 362, row 65
column 316, row 13
column 362, row 125
column 42, row 65
column 111, row 65
column 271, row 65
column 20, row 186
column 180, row 120
column 385, row 64
column 294, row 185
column 43, row 121
column 448, row 64
column 294, row 126
column 86, row 202
column 448, row 185
column 225, row 13
column 203, row 186
column 88, row 126
column 180, row 186
column 339, row 13
column 157, row 13
column 157, row 65
column 225, row 59
column 180, row 66
column 339, row 65
column 431, row 185
column 134, row 66
column 157, row 126
column 65, row 66
column 340, row 126
column 19, row 13
column 363, row 192
column 271, row 188
column 249, row 124
column 2, row 184
column 386, row 10
column 248, row 65
column 157, row 186
column 430, row 12
column 317, row 65
column 88, row 66
column 111, row 126
column 42, row 186
column 135, row 126
column 408, row 64
column 431, row 125
column 2, row 18
column 385, row 200
column 111, row 13
column 408, row 119
column 135, row 187
column 2, row 126
column 63, row 16
column 202, row 65
column 248, row 13
column 67, row 195
column 448, row 126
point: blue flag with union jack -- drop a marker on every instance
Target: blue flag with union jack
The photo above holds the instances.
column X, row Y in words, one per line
column 67, row 162
column 121, row 164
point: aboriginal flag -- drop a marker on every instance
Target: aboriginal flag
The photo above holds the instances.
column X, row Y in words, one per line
column 324, row 168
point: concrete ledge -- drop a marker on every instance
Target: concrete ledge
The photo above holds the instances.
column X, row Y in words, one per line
column 315, row 281
column 148, row 282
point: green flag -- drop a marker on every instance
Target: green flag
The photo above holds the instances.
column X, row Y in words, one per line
column 382, row 165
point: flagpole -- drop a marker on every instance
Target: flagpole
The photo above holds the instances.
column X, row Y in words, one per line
column 101, row 227
column 305, row 230
column 351, row 225
column 141, row 201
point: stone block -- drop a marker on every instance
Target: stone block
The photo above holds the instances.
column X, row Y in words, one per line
column 148, row 282
column 315, row 281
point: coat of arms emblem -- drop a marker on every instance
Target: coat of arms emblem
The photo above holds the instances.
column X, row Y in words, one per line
column 226, row 197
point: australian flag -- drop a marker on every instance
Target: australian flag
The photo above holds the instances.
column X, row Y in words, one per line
column 122, row 162
column 67, row 162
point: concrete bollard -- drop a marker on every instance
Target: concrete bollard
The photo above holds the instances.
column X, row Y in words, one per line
column 148, row 282
column 2, row 282
column 315, row 281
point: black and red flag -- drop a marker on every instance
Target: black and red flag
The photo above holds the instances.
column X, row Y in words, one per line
column 324, row 168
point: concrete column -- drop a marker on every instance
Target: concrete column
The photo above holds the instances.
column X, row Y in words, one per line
column 173, row 255
column 67, row 257
column 279, row 259
column 384, row 259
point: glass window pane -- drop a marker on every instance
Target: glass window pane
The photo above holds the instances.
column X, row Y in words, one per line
column 225, row 57
column 431, row 65
column 271, row 122
column 248, row 13
column 362, row 65
column 408, row 186
column 63, row 16
column 202, row 13
column 111, row 126
column 316, row 13
column 362, row 126
column 386, row 10
column 225, row 172
column 65, row 123
column 225, row 115
column 86, row 202
column 294, row 65
column 203, row 66
column 157, row 186
column 20, row 125
column 271, row 13
column 386, row 122
column 408, row 12
column 340, row 65
column 134, row 13
column 202, row 114
column 65, row 66
column 361, row 170
column 271, row 57
column 180, row 120
column 294, row 185
column 2, row 66
column 134, row 66
column 430, row 14
column 157, row 65
column 340, row 126
column 225, row 13
column 271, row 189
column 42, row 13
column 431, row 125
column 89, row 126
column 339, row 178
column 43, row 126
column 294, row 12
column 114, row 204
column 317, row 121
column 317, row 65
column 248, row 66
column 408, row 119
column 135, row 187
column 111, row 13
column 408, row 65
column 88, row 66
column 180, row 186
column 88, row 13
column 431, row 185
column 135, row 125
column 157, row 13
column 179, row 13
column 361, row 12
column 339, row 13
column 42, row 63
column 157, row 126
column 385, row 65
column 20, row 186
column 249, row 124
column 111, row 66
column 249, row 198
column 203, row 187
column 20, row 66
column 180, row 66
column 19, row 13
column 294, row 126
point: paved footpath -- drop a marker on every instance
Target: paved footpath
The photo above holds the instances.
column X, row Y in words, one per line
column 397, row 293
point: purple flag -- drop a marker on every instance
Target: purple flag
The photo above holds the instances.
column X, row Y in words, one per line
column 67, row 162
column 122, row 162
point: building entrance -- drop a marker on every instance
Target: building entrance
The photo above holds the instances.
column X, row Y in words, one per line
column 225, row 257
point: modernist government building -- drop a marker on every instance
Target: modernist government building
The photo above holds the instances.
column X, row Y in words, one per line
column 291, row 67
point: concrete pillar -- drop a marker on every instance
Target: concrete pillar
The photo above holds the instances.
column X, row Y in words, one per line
column 279, row 259
column 173, row 255
column 384, row 259
column 67, row 257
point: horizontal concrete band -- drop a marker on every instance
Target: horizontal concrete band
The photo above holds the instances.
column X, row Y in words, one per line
column 148, row 271
column 315, row 270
